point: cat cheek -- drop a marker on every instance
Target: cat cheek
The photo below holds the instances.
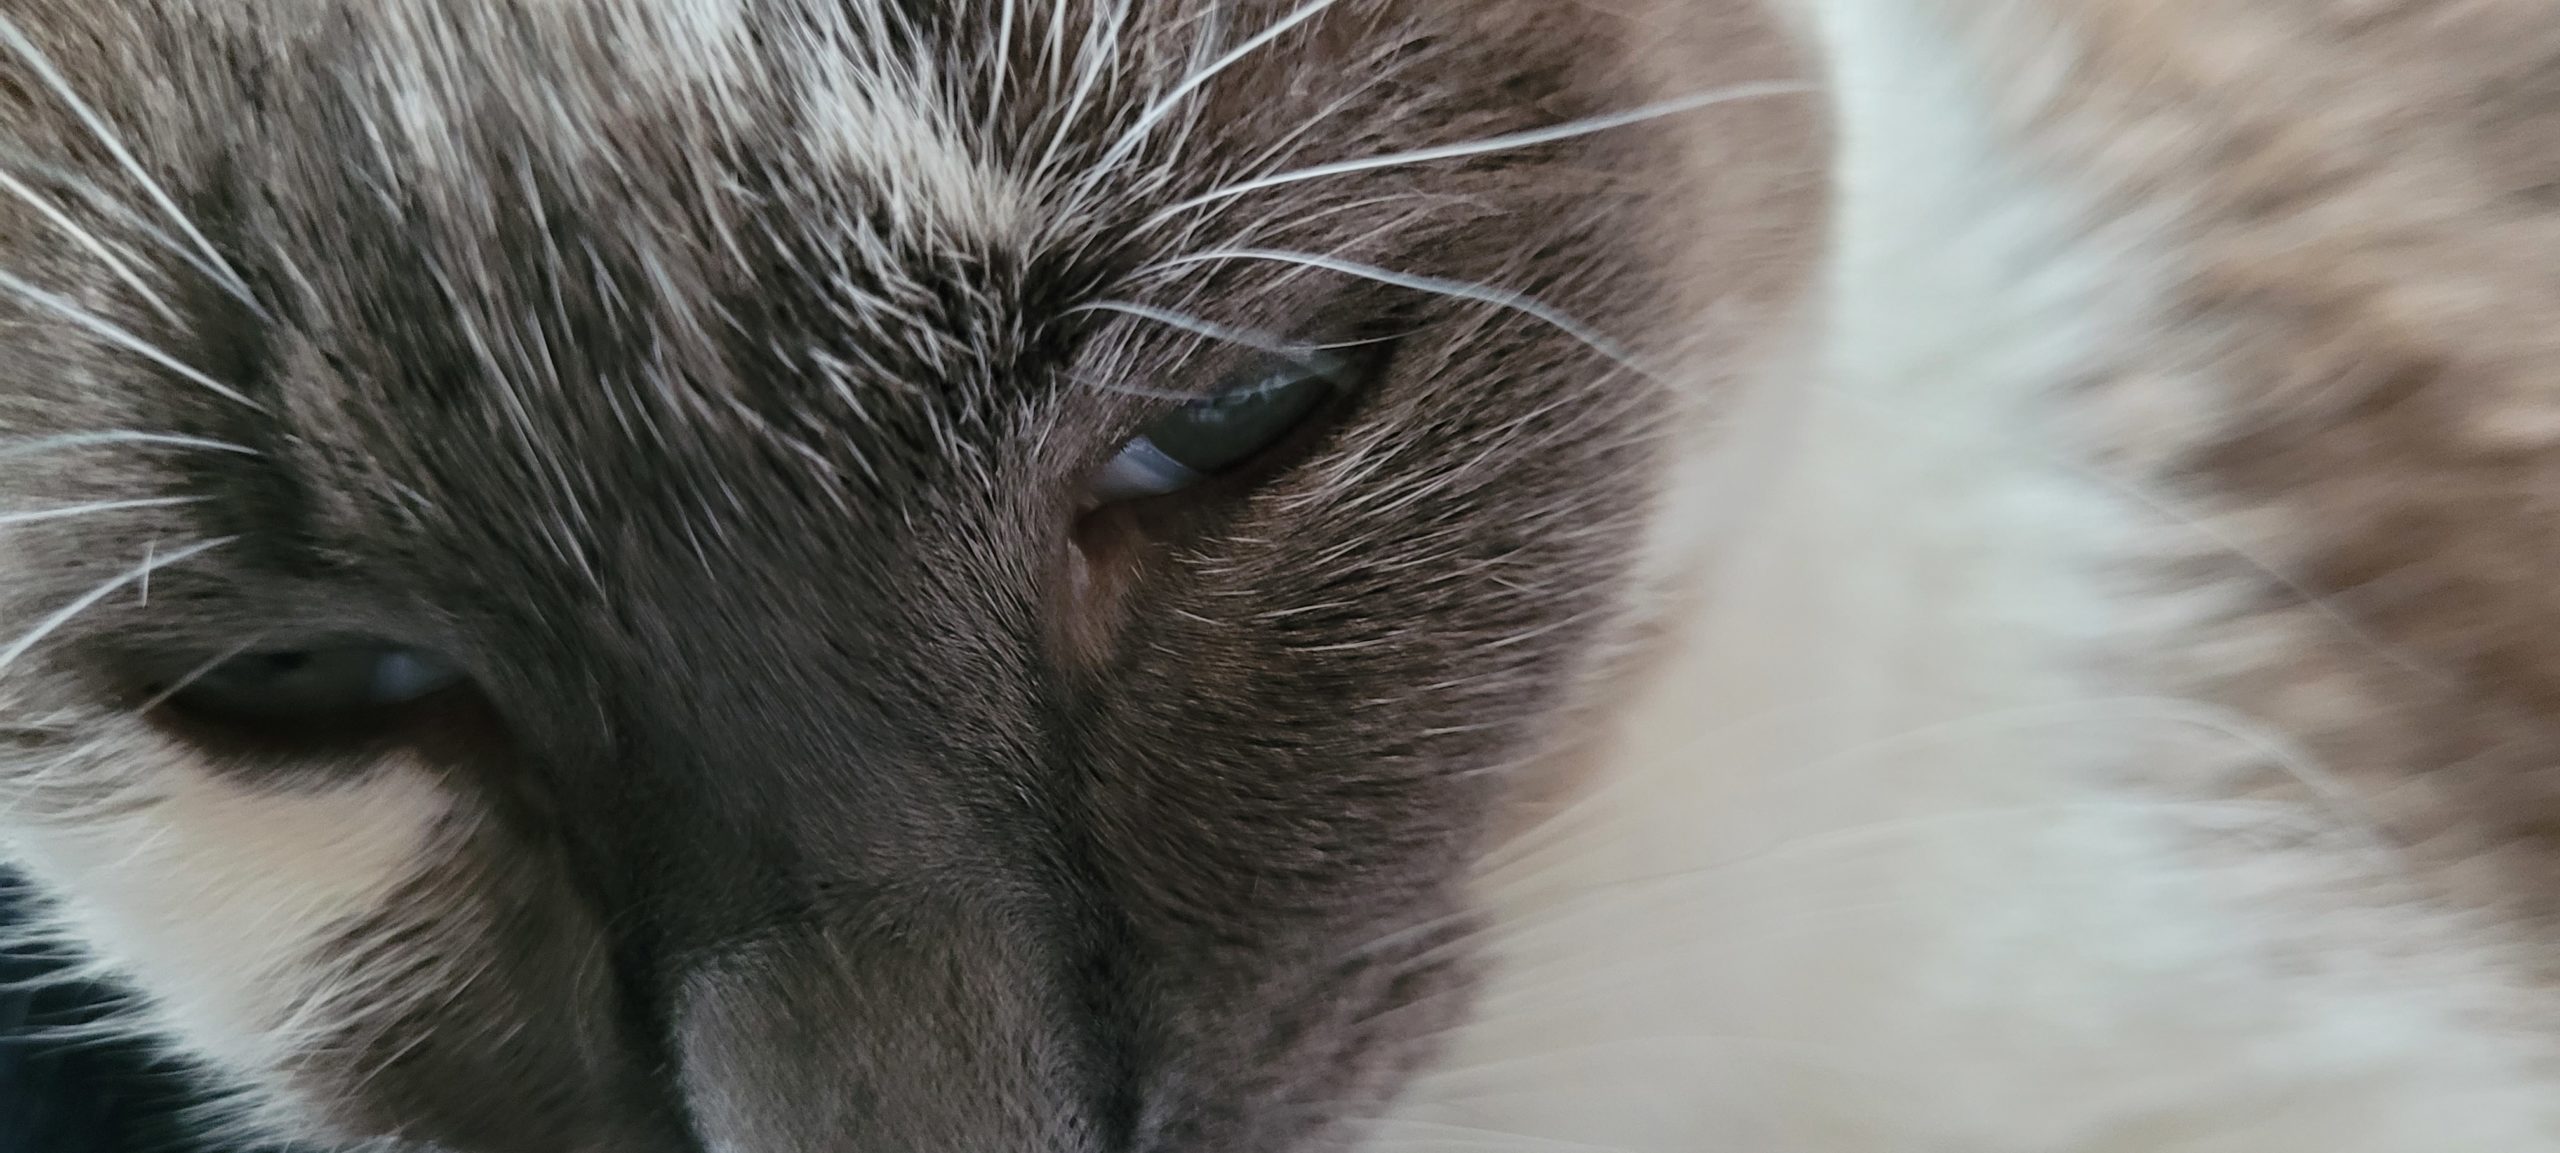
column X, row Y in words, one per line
column 222, row 898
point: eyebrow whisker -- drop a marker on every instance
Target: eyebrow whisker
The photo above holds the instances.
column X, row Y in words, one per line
column 1256, row 339
column 1512, row 141
column 65, row 308
column 1164, row 106
column 120, row 436
column 89, row 241
column 35, row 59
column 66, row 512
column 1521, row 303
column 53, row 623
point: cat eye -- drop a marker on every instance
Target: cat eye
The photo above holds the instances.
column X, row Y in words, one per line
column 1221, row 432
column 313, row 684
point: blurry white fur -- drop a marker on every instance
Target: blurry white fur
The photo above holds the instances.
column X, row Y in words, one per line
column 1898, row 852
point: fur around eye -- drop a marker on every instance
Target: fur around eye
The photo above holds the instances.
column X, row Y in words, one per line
column 1218, row 433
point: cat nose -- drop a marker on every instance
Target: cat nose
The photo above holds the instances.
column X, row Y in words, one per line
column 845, row 1041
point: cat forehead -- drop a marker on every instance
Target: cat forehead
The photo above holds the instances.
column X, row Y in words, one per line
column 900, row 156
column 833, row 95
column 951, row 116
column 657, row 240
column 540, row 194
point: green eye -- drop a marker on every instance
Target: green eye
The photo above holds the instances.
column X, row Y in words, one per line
column 1217, row 433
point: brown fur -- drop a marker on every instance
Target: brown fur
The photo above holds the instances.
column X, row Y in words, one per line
column 2352, row 202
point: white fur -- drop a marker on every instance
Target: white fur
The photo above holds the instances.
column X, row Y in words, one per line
column 222, row 901
column 909, row 145
column 1894, row 856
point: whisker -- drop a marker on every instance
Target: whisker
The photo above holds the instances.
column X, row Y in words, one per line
column 33, row 516
column 1287, row 145
column 1090, row 66
column 63, row 223
column 105, row 203
column 120, row 436
column 1164, row 105
column 194, row 674
column 1001, row 76
column 1456, row 289
column 64, row 615
column 1304, row 355
column 1100, row 384
column 1283, row 219
column 65, row 308
column 35, row 59
column 1530, row 138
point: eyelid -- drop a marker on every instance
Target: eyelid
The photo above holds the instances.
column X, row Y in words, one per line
column 1310, row 359
column 1141, row 469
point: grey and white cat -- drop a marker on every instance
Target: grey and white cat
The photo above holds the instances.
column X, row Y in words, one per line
column 1243, row 576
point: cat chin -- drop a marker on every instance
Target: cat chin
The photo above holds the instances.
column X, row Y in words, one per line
column 1908, row 842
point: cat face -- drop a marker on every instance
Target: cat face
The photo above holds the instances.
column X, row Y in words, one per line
column 797, row 576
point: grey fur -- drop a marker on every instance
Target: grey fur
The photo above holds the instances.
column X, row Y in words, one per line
column 808, row 805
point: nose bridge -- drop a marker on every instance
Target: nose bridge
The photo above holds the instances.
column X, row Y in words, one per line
column 829, row 721
column 865, row 933
column 949, row 1038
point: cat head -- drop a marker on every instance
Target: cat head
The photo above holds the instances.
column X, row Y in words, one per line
column 803, row 575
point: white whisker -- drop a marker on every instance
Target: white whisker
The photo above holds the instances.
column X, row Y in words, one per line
column 1002, row 74
column 1164, row 105
column 63, row 223
column 194, row 674
column 1531, row 138
column 1090, row 65
column 1305, row 355
column 1458, row 289
column 35, row 59
column 1139, row 391
column 33, row 516
column 89, row 439
column 68, row 310
column 67, row 613
column 104, row 203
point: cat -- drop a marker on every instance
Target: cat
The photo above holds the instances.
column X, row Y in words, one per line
column 789, row 576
